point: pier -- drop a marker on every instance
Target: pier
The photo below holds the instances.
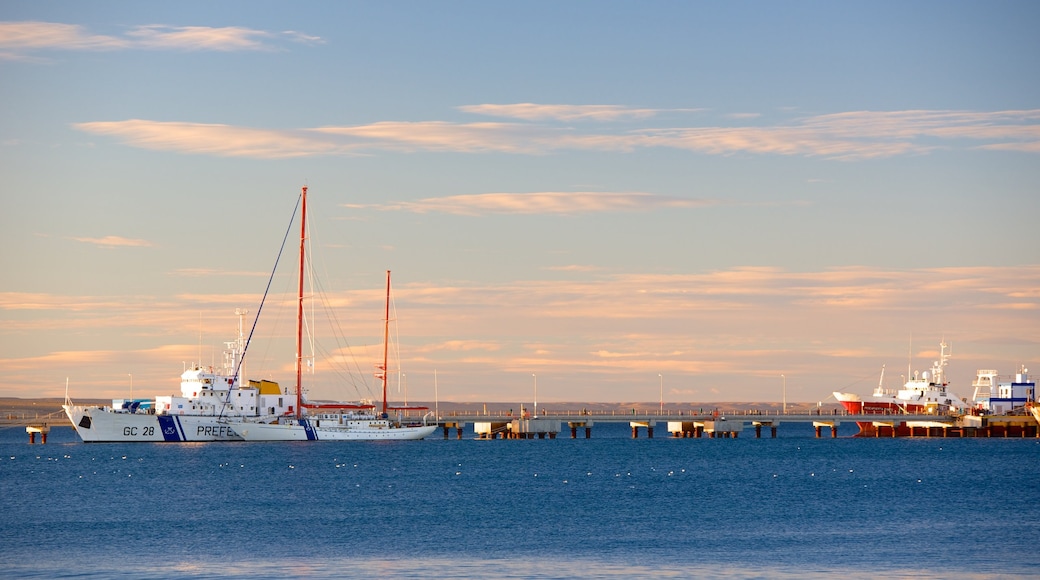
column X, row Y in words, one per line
column 731, row 425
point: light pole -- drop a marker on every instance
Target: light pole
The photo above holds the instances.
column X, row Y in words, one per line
column 535, row 395
column 661, row 410
column 131, row 375
column 785, row 393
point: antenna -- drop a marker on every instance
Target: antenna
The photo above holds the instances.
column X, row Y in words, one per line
column 240, row 347
column 200, row 340
column 910, row 357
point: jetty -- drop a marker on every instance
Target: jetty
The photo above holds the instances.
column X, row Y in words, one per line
column 729, row 425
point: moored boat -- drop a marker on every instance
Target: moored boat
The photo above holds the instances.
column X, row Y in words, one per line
column 926, row 393
column 334, row 421
column 993, row 396
column 208, row 400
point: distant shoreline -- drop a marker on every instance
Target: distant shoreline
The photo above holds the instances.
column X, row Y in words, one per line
column 47, row 405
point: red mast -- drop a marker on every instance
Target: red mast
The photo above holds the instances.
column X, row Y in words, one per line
column 386, row 338
column 299, row 309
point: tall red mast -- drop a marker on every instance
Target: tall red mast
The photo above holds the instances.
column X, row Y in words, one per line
column 386, row 338
column 299, row 308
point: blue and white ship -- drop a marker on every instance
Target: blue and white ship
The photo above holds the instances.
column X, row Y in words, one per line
column 209, row 401
column 996, row 397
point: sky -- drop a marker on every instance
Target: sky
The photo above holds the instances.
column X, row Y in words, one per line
column 579, row 201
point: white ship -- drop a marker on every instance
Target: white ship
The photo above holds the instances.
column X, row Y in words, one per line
column 208, row 400
column 334, row 421
column 995, row 397
column 925, row 393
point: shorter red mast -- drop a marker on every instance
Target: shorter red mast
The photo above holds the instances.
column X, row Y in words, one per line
column 386, row 338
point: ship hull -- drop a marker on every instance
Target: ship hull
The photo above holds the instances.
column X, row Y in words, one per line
column 855, row 406
column 314, row 431
column 97, row 425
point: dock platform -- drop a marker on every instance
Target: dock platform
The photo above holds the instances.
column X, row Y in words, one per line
column 717, row 425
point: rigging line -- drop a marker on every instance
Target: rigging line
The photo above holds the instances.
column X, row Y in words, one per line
column 342, row 368
column 279, row 319
column 309, row 327
column 397, row 343
column 348, row 379
column 320, row 296
column 338, row 335
column 238, row 366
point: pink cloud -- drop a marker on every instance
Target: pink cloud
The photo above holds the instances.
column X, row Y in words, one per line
column 115, row 241
column 18, row 40
column 549, row 202
column 840, row 136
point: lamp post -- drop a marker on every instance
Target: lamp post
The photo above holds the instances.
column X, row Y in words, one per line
column 535, row 395
column 785, row 393
column 131, row 375
column 661, row 410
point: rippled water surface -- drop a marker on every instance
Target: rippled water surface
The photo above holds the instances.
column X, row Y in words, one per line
column 606, row 507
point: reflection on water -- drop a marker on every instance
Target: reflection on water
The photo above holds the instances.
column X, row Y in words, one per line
column 448, row 568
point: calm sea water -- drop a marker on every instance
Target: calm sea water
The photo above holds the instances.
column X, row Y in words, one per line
column 608, row 507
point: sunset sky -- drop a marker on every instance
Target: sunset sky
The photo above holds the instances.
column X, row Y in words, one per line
column 608, row 199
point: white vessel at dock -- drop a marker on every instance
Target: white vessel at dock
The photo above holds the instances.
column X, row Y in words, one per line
column 993, row 396
column 338, row 426
column 208, row 400
column 334, row 421
column 925, row 393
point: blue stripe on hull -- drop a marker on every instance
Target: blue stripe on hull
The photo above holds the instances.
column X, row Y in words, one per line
column 168, row 426
column 311, row 434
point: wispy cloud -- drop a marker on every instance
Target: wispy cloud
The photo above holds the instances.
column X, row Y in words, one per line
column 28, row 36
column 213, row 139
column 115, row 242
column 228, row 38
column 22, row 40
column 455, row 137
column 843, row 136
column 547, row 202
column 535, row 112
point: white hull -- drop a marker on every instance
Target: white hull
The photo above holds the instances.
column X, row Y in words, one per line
column 309, row 430
column 98, row 425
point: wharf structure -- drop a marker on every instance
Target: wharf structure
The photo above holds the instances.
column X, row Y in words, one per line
column 731, row 425
column 1022, row 422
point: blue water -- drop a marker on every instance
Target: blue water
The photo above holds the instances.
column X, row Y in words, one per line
column 610, row 506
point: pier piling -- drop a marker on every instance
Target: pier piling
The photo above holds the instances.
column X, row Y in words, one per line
column 43, row 430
